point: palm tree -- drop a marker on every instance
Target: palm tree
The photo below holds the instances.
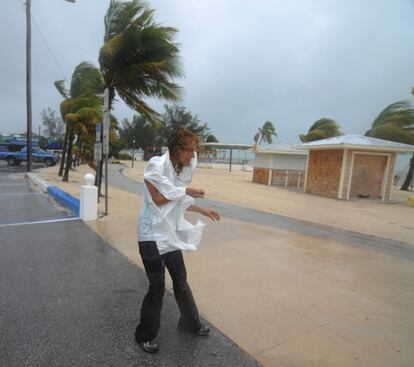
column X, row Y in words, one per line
column 207, row 150
column 321, row 129
column 396, row 123
column 265, row 133
column 138, row 58
column 177, row 116
column 80, row 109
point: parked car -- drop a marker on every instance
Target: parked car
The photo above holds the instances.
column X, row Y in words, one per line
column 38, row 156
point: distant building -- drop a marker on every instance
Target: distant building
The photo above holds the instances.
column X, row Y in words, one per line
column 279, row 165
column 352, row 166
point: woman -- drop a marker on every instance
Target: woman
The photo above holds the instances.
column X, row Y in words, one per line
column 163, row 233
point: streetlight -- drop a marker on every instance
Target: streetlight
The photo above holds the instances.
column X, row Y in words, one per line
column 29, row 81
column 133, row 152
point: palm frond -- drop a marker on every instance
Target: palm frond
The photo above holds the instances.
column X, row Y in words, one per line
column 139, row 57
column 86, row 80
column 394, row 123
column 66, row 106
column 60, row 86
column 393, row 132
column 140, row 106
column 402, row 108
column 321, row 129
column 121, row 15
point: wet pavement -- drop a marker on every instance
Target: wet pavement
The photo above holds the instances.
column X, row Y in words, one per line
column 67, row 298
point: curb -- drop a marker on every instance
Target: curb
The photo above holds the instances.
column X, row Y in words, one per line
column 60, row 196
column 43, row 185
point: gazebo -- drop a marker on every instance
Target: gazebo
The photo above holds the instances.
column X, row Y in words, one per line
column 352, row 166
column 214, row 155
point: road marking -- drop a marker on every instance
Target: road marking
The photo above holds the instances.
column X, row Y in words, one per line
column 13, row 184
column 22, row 193
column 40, row 222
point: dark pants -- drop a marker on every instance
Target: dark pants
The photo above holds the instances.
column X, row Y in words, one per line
column 155, row 264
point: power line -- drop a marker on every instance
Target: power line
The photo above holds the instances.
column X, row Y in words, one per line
column 46, row 43
column 49, row 49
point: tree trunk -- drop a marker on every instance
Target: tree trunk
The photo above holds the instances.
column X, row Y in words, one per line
column 410, row 175
column 65, row 146
column 99, row 179
column 68, row 165
column 76, row 160
column 79, row 152
column 83, row 156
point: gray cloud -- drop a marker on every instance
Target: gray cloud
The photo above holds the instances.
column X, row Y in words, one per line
column 245, row 62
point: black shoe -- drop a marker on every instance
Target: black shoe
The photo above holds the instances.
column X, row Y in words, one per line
column 149, row 347
column 203, row 331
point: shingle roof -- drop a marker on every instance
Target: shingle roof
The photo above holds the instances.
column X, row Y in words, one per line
column 357, row 141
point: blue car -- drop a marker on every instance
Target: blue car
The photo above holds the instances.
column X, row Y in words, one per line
column 38, row 156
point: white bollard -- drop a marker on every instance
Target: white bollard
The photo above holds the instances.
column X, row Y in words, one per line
column 88, row 199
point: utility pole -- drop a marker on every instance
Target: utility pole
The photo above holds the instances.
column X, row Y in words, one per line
column 133, row 152
column 105, row 141
column 29, row 83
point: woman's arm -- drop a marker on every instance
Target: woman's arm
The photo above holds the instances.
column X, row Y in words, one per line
column 157, row 198
column 160, row 199
column 212, row 214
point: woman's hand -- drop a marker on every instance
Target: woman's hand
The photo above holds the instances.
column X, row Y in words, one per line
column 212, row 214
column 194, row 193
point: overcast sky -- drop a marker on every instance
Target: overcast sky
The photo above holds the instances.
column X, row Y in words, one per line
column 290, row 62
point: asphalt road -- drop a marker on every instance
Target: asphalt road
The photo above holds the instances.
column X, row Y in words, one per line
column 67, row 298
column 386, row 246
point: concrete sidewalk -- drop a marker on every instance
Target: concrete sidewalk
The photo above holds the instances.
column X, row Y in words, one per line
column 289, row 298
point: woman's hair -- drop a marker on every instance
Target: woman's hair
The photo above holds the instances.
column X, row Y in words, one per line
column 180, row 139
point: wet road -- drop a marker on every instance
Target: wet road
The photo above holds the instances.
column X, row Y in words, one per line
column 67, row 298
column 386, row 246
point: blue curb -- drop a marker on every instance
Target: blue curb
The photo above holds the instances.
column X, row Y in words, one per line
column 65, row 199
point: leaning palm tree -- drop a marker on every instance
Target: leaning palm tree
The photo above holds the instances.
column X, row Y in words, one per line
column 265, row 133
column 81, row 107
column 138, row 58
column 396, row 123
column 321, row 129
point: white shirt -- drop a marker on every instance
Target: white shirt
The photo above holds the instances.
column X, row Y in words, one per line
column 166, row 224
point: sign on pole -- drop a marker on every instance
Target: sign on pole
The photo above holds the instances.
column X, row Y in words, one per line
column 98, row 132
column 97, row 151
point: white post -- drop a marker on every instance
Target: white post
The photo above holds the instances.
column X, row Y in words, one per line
column 270, row 178
column 88, row 199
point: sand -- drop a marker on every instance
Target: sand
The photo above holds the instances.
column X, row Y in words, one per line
column 394, row 220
